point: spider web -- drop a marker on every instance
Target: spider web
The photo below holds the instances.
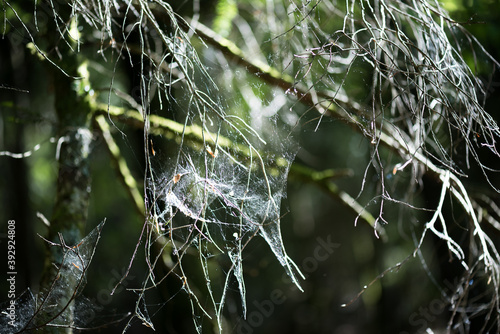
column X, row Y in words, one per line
column 224, row 184
column 219, row 203
column 49, row 308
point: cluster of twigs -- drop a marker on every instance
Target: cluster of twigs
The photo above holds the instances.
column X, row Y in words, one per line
column 425, row 104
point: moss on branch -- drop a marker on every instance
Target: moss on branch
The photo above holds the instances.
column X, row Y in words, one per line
column 196, row 137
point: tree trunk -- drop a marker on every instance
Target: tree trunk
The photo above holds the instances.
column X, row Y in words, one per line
column 58, row 288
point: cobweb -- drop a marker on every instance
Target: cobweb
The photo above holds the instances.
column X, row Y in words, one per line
column 220, row 191
column 222, row 186
column 225, row 182
column 52, row 308
column 223, row 204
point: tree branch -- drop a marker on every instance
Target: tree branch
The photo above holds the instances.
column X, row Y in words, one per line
column 195, row 136
column 121, row 165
